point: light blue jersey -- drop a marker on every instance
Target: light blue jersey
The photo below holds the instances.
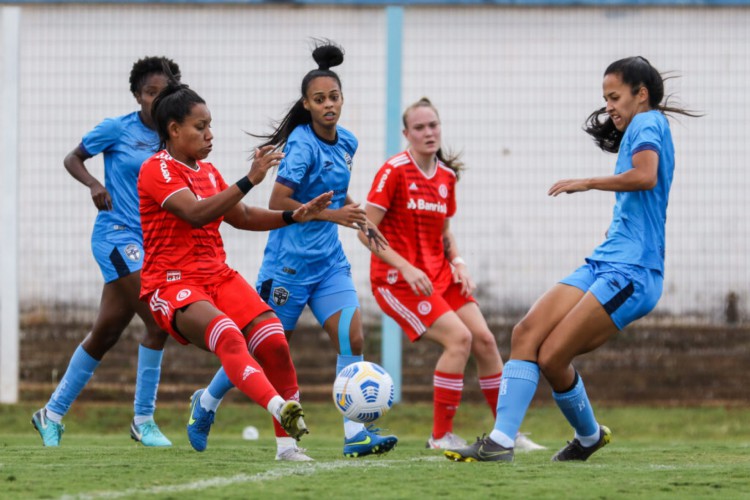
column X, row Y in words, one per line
column 636, row 234
column 126, row 143
column 303, row 254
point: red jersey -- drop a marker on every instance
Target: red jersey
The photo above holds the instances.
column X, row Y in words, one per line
column 175, row 251
column 416, row 207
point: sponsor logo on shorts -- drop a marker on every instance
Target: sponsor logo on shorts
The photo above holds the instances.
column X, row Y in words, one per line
column 133, row 252
column 174, row 275
column 288, row 270
column 443, row 190
column 183, row 294
column 280, row 295
column 392, row 276
column 424, row 308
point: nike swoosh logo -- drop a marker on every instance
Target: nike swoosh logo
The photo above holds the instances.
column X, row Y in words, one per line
column 485, row 454
column 367, row 440
column 191, row 421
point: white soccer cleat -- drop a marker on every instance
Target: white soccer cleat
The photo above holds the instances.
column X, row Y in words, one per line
column 293, row 454
column 524, row 444
column 448, row 442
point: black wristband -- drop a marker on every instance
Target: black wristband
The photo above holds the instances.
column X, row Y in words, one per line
column 287, row 216
column 245, row 185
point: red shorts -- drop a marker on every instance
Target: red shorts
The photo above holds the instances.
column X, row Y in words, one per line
column 233, row 296
column 416, row 313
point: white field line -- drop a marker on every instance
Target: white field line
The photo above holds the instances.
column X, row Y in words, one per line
column 307, row 469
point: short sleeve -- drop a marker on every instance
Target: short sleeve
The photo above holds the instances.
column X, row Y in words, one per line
column 647, row 134
column 452, row 199
column 384, row 186
column 159, row 180
column 102, row 137
column 297, row 161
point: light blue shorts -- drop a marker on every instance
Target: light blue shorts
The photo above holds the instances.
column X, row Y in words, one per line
column 627, row 292
column 327, row 297
column 118, row 257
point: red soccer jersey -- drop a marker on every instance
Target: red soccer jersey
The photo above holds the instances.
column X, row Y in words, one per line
column 175, row 251
column 416, row 207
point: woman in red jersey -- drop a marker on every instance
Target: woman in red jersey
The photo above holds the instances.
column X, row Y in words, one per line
column 420, row 280
column 191, row 291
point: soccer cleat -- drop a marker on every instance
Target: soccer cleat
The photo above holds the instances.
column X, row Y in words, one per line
column 484, row 450
column 290, row 418
column 293, row 454
column 575, row 451
column 199, row 423
column 448, row 442
column 523, row 443
column 368, row 442
column 148, row 434
column 51, row 432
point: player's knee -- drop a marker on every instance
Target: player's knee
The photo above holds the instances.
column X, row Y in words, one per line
column 550, row 364
column 484, row 344
column 459, row 342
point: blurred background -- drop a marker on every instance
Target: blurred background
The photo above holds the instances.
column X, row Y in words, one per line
column 513, row 82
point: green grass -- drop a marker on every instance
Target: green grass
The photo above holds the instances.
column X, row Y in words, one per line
column 655, row 453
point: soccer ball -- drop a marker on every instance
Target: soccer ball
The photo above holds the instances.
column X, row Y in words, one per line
column 363, row 391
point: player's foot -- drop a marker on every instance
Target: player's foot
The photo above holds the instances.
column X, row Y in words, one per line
column 484, row 450
column 368, row 442
column 523, row 443
column 576, row 451
column 148, row 434
column 448, row 442
column 199, row 423
column 51, row 432
column 291, row 419
column 293, row 454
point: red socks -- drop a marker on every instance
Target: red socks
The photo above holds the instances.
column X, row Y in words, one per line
column 490, row 386
column 448, row 389
column 227, row 342
column 268, row 344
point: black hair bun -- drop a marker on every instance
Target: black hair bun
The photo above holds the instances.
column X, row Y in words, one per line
column 328, row 55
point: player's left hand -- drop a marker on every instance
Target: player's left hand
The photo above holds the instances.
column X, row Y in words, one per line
column 375, row 239
column 461, row 275
column 310, row 210
column 569, row 186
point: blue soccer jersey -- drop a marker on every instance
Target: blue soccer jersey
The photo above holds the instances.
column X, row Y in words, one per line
column 304, row 253
column 126, row 143
column 636, row 234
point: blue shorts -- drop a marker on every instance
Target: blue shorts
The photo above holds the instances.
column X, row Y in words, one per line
column 327, row 297
column 119, row 256
column 627, row 292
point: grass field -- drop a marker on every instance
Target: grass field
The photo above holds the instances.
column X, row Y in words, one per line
column 655, row 453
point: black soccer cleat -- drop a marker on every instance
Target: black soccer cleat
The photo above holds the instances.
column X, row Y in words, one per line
column 483, row 450
column 576, row 451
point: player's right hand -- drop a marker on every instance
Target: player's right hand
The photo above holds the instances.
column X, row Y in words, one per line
column 265, row 158
column 100, row 196
column 418, row 281
column 310, row 210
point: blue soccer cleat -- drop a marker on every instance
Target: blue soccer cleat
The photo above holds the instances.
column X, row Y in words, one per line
column 148, row 434
column 200, row 422
column 51, row 432
column 368, row 442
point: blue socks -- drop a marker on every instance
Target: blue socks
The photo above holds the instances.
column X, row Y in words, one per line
column 576, row 407
column 351, row 428
column 517, row 388
column 220, row 385
column 79, row 372
column 147, row 382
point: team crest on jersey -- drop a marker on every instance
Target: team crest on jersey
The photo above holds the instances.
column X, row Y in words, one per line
column 348, row 160
column 183, row 294
column 443, row 190
column 212, row 178
column 133, row 252
column 392, row 276
column 280, row 295
column 424, row 308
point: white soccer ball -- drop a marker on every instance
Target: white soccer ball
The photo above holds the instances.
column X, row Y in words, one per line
column 363, row 391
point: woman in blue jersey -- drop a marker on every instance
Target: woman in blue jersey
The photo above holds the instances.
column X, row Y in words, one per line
column 621, row 280
column 117, row 243
column 306, row 265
